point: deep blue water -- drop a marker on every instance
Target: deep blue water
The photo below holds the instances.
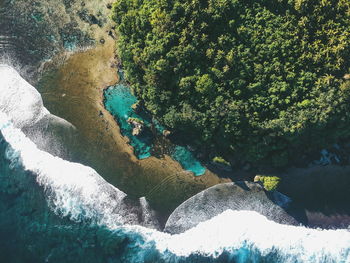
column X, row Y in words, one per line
column 31, row 232
column 55, row 211
column 52, row 210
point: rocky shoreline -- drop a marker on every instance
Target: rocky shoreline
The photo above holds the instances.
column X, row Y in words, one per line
column 72, row 80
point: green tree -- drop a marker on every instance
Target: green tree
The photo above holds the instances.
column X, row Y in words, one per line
column 260, row 80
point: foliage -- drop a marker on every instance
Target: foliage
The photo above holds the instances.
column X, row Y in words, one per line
column 260, row 80
column 270, row 183
column 220, row 160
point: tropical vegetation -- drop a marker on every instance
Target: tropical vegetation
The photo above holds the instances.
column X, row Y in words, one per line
column 262, row 81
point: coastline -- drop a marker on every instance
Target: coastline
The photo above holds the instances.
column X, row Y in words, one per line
column 162, row 181
column 74, row 189
column 72, row 85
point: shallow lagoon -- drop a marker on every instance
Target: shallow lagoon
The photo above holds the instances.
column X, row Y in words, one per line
column 118, row 101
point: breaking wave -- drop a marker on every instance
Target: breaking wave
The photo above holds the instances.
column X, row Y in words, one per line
column 77, row 193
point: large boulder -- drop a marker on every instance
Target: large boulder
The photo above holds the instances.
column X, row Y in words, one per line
column 235, row 196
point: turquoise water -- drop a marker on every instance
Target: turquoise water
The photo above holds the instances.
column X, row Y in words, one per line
column 31, row 232
column 187, row 160
column 119, row 101
column 159, row 128
column 33, row 229
column 54, row 211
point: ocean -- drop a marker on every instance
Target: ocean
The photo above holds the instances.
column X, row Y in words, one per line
column 53, row 210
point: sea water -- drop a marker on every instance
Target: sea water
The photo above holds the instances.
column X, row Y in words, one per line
column 52, row 210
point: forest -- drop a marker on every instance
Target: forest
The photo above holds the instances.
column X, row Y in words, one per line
column 261, row 81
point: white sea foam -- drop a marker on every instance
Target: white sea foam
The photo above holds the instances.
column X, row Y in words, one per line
column 233, row 231
column 19, row 100
column 79, row 192
column 24, row 106
column 73, row 189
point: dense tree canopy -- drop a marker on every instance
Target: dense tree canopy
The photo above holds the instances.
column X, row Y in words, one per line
column 261, row 80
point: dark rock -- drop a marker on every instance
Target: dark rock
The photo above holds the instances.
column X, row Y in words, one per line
column 247, row 167
column 235, row 196
column 281, row 199
column 93, row 20
column 112, row 34
column 102, row 41
column 89, row 18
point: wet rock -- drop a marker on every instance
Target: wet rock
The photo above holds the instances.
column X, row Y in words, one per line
column 138, row 126
column 328, row 158
column 166, row 133
column 89, row 18
column 94, row 20
column 235, row 196
column 281, row 199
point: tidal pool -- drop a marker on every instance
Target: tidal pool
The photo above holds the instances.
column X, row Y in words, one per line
column 187, row 160
column 119, row 101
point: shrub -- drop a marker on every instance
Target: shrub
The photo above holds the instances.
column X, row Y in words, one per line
column 270, row 183
column 220, row 160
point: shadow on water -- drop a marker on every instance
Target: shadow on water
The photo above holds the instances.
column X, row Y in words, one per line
column 324, row 193
column 320, row 194
column 292, row 208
